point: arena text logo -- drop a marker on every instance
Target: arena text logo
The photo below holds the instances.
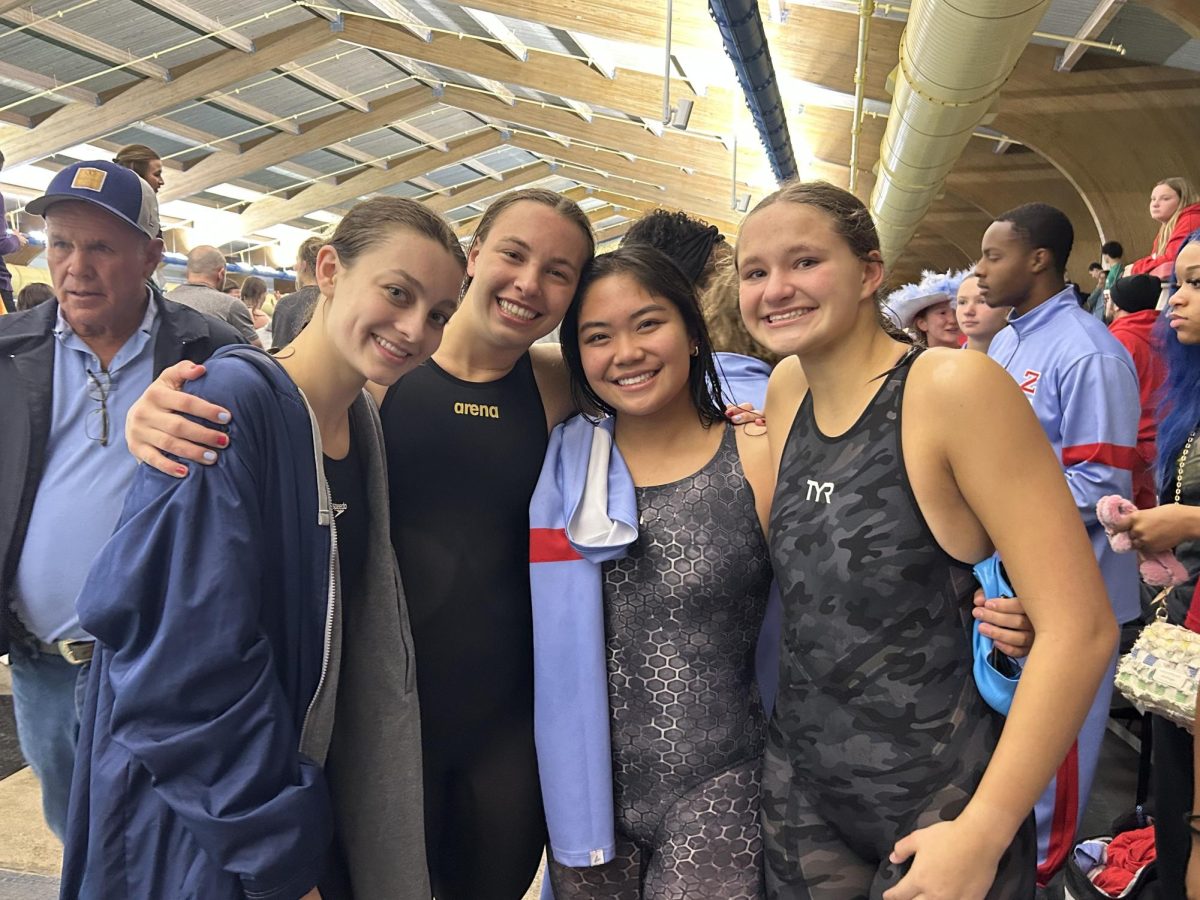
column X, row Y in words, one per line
column 482, row 410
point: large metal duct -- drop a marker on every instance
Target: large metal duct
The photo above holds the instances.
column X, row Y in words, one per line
column 746, row 43
column 955, row 56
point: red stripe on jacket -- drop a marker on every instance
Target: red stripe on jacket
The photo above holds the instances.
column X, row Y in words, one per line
column 1065, row 820
column 1107, row 454
column 550, row 545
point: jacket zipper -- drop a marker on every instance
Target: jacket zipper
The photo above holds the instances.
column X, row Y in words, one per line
column 324, row 517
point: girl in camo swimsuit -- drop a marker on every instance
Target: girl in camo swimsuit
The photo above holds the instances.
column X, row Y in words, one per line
column 684, row 607
column 885, row 775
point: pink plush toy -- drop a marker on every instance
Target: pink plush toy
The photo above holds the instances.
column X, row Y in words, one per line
column 1157, row 569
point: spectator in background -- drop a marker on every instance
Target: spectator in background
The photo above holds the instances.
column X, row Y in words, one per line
column 1134, row 319
column 1096, row 297
column 1176, row 525
column 70, row 370
column 10, row 242
column 924, row 310
column 292, row 311
column 202, row 292
column 33, row 294
column 1111, row 255
column 253, row 293
column 1083, row 389
column 232, row 288
column 145, row 162
column 1174, row 205
column 978, row 321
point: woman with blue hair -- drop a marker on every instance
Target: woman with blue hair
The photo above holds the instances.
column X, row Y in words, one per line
column 1175, row 524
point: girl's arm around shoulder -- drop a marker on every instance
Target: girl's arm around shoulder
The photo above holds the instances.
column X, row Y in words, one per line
column 754, row 450
column 785, row 391
column 554, row 383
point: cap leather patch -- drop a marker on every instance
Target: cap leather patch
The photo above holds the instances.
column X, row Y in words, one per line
column 89, row 179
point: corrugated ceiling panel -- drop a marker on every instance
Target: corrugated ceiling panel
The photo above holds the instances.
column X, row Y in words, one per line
column 237, row 12
column 404, row 189
column 383, row 143
column 326, row 163
column 452, row 176
column 28, row 51
column 281, row 96
column 216, row 121
column 134, row 29
column 1066, row 16
column 161, row 145
column 269, row 179
column 449, row 18
column 1186, row 57
column 1147, row 36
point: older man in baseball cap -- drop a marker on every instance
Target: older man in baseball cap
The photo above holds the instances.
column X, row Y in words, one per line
column 71, row 369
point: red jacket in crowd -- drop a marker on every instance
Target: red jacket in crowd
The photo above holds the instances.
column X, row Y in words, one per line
column 1134, row 332
column 1189, row 221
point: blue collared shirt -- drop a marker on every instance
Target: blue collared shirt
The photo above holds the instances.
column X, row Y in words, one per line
column 83, row 486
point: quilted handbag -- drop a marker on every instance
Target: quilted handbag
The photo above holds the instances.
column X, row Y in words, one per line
column 1160, row 673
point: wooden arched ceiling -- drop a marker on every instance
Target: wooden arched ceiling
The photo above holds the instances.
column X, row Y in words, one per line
column 304, row 110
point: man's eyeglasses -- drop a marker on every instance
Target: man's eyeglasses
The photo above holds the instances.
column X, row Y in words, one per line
column 96, row 425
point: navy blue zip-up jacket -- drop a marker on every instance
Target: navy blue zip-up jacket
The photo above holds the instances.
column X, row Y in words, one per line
column 209, row 605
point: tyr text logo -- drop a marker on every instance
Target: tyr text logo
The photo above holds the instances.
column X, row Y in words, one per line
column 820, row 490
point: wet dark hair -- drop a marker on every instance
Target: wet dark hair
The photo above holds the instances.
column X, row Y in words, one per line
column 658, row 275
column 1043, row 227
column 687, row 240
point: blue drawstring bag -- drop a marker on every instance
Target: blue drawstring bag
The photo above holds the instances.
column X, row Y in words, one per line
column 995, row 674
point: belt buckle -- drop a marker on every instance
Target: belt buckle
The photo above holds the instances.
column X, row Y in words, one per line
column 75, row 652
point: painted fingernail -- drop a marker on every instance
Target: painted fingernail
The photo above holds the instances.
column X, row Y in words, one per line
column 210, row 455
column 180, row 471
column 223, row 441
column 223, row 418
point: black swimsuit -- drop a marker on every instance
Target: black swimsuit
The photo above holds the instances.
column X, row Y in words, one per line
column 463, row 460
column 683, row 611
column 878, row 729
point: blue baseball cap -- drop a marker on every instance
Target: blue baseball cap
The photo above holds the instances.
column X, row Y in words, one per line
column 105, row 184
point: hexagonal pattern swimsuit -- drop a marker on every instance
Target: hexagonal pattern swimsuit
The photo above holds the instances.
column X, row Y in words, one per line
column 878, row 728
column 683, row 612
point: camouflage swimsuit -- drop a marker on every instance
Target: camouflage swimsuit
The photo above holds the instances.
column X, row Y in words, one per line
column 682, row 615
column 878, row 729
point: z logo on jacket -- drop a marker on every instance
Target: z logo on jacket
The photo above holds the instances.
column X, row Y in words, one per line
column 1029, row 385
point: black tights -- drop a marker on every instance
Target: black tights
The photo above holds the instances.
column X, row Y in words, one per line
column 1171, row 782
column 484, row 825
